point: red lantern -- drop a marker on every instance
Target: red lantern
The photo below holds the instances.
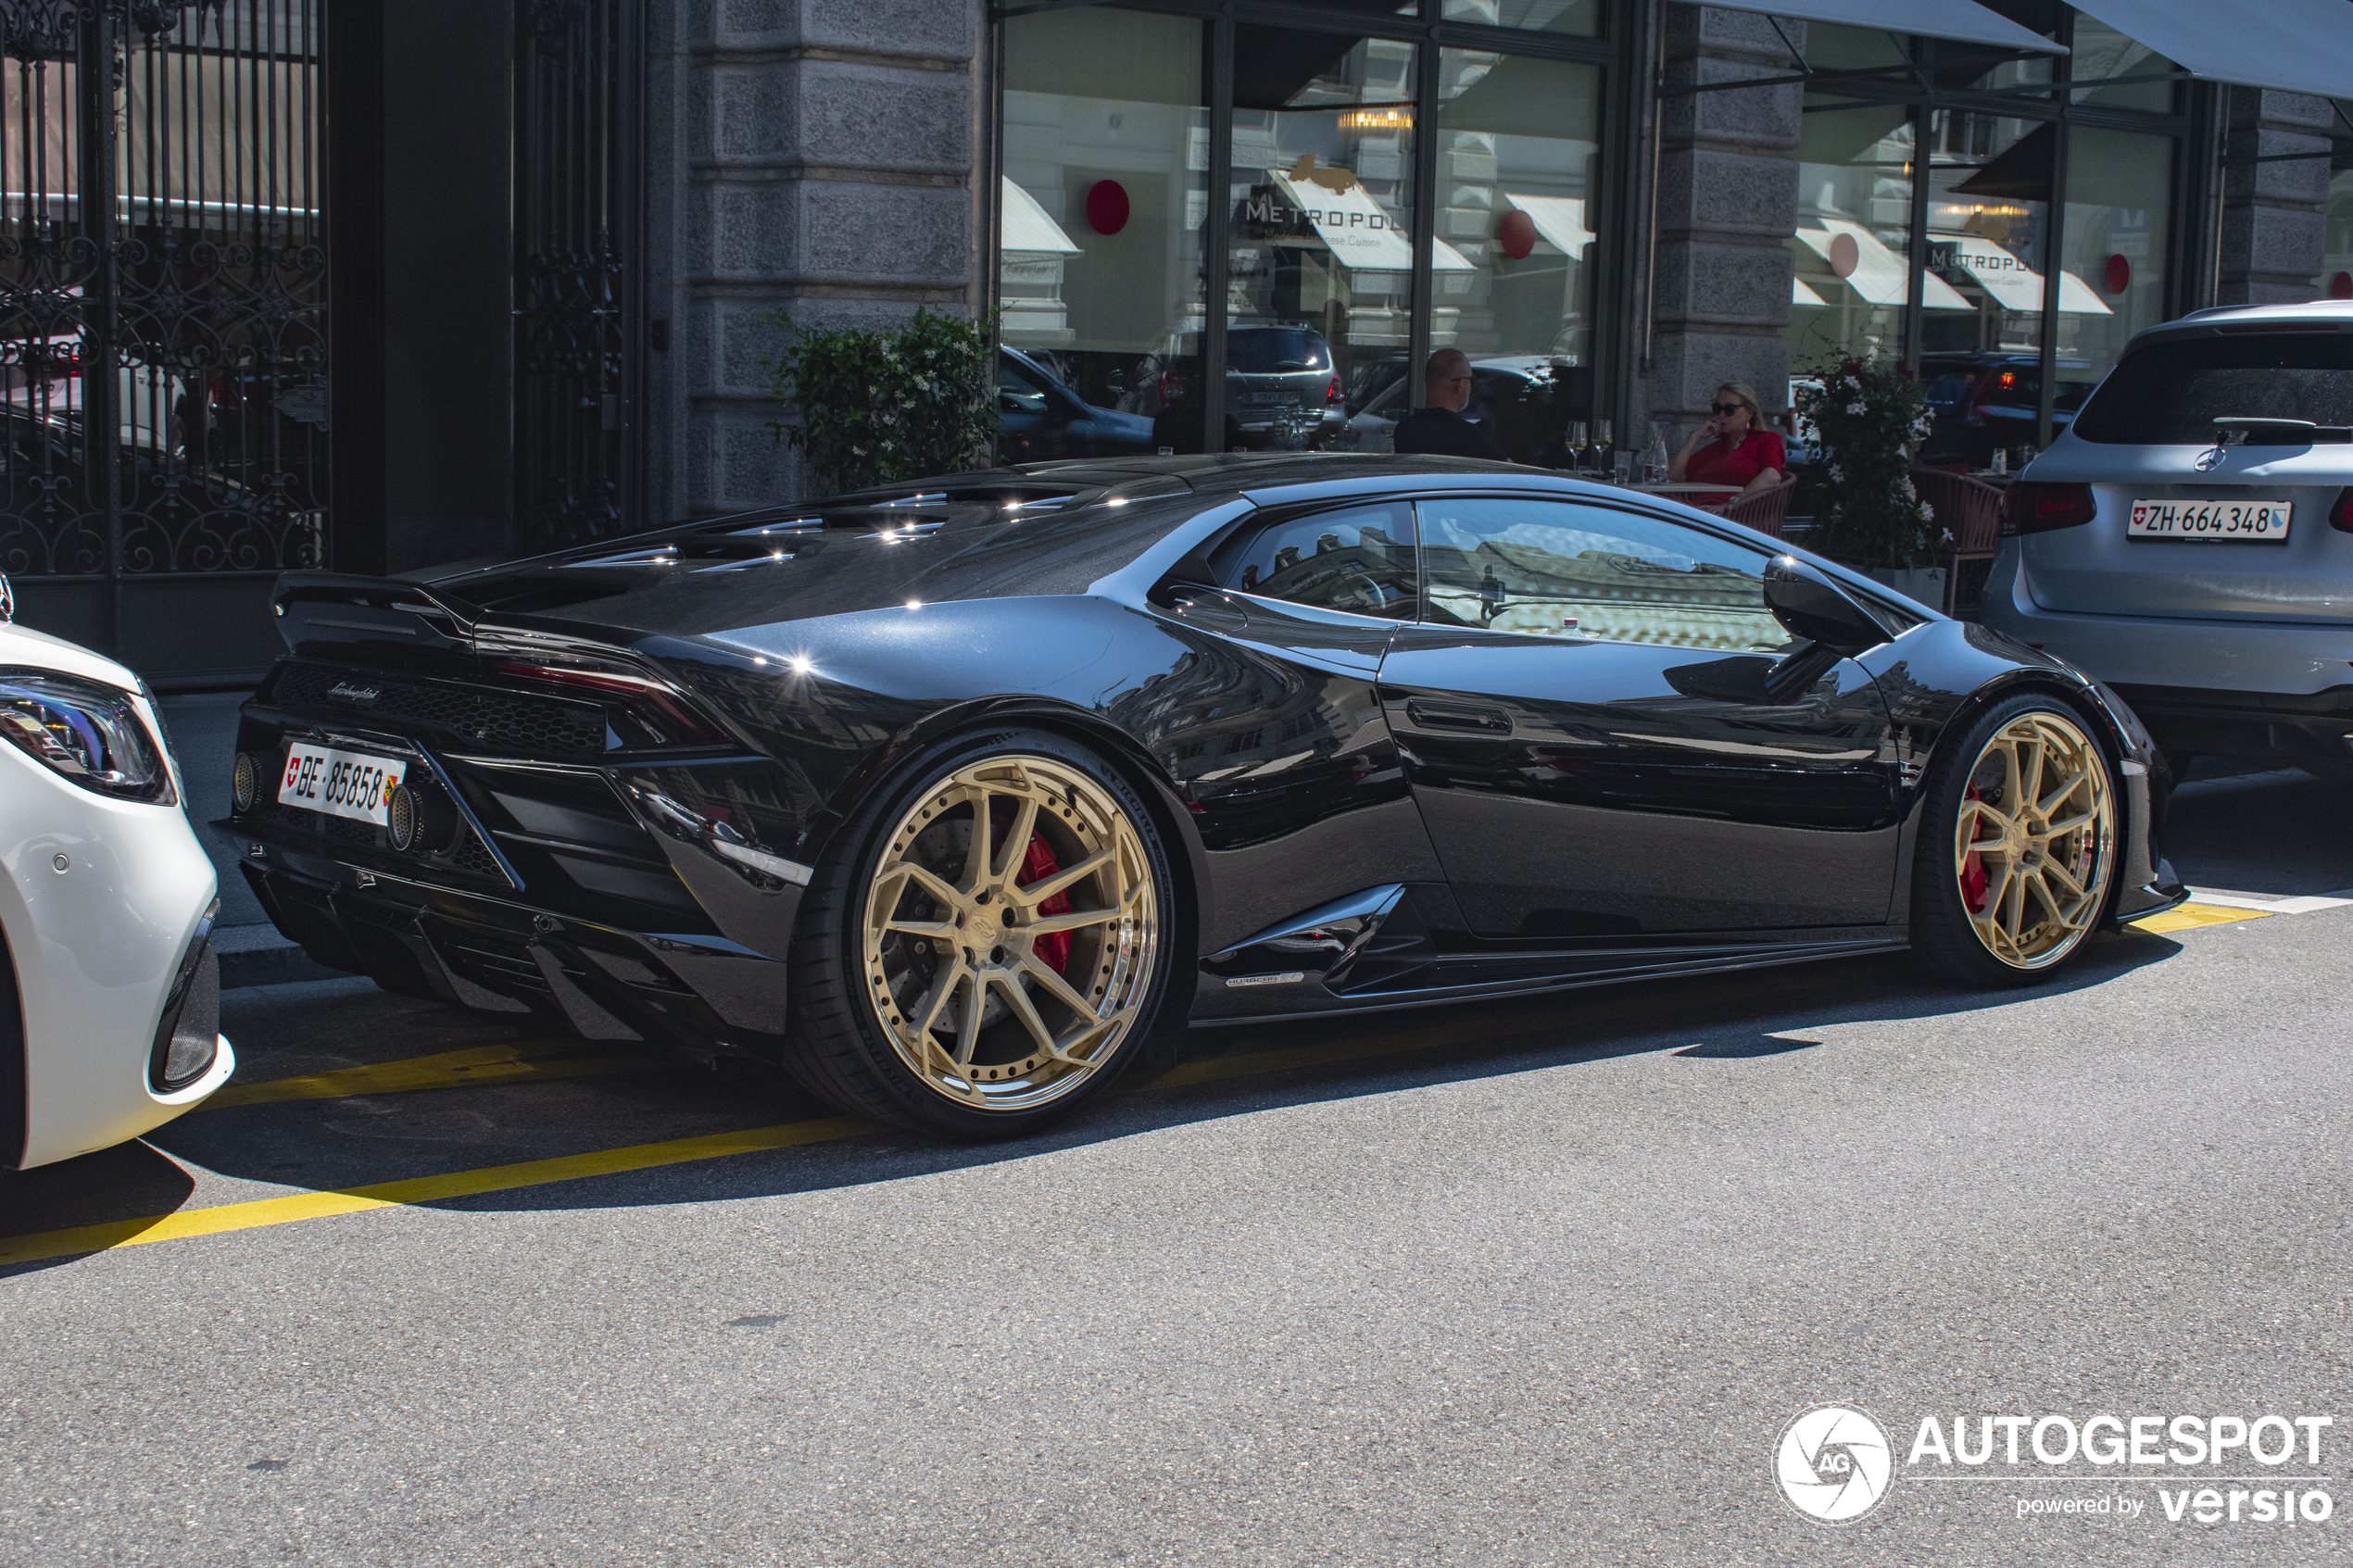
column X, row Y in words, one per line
column 1517, row 234
column 2341, row 286
column 2118, row 276
column 1107, row 207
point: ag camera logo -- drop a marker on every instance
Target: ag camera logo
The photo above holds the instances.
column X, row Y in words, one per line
column 1833, row 1464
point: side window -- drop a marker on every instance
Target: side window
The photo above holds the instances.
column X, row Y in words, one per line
column 1018, row 393
column 1355, row 558
column 1558, row 569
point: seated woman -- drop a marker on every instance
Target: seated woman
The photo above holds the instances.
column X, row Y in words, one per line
column 1734, row 449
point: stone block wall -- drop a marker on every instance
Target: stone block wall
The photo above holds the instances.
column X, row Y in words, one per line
column 2272, row 232
column 1726, row 204
column 817, row 157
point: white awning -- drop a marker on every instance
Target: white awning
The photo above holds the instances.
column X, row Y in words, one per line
column 1028, row 231
column 1961, row 20
column 2302, row 45
column 1362, row 234
column 2014, row 284
column 1879, row 275
column 1560, row 221
column 1800, row 295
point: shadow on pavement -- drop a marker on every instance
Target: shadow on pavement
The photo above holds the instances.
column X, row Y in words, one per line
column 331, row 1145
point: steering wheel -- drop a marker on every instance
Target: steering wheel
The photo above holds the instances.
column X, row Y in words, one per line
column 1365, row 589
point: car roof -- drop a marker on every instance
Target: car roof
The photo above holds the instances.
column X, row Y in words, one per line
column 2324, row 314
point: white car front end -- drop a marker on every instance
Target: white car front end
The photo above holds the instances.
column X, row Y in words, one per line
column 106, row 906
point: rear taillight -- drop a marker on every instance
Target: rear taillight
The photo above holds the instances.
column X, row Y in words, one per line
column 2038, row 509
column 1332, row 393
column 2341, row 514
column 660, row 714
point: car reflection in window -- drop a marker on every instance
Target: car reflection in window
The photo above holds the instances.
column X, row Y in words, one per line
column 1545, row 569
column 1358, row 559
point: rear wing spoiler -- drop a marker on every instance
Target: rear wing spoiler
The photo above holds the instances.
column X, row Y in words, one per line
column 319, row 611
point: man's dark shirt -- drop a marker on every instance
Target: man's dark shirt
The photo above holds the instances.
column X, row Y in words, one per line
column 1445, row 434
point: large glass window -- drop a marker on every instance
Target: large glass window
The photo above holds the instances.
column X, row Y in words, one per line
column 2119, row 197
column 2103, row 54
column 1853, row 245
column 2336, row 281
column 1513, row 273
column 1583, row 16
column 1319, row 295
column 1103, row 200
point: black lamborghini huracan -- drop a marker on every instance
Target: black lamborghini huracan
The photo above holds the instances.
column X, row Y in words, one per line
column 946, row 795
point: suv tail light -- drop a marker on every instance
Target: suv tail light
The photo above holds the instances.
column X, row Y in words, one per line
column 2038, row 509
column 1332, row 392
column 2341, row 514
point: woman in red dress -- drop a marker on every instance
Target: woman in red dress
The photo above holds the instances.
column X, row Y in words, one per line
column 1734, row 449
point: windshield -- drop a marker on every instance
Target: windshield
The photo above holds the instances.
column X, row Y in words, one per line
column 2172, row 393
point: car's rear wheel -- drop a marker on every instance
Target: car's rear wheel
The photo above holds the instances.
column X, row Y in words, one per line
column 984, row 950
column 2017, row 853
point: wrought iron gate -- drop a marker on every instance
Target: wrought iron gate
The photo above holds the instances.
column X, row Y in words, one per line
column 163, row 288
column 576, row 267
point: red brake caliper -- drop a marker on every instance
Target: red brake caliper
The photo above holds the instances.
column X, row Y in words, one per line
column 1035, row 866
column 1973, row 878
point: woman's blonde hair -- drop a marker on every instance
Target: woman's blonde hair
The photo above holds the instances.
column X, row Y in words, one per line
column 1747, row 395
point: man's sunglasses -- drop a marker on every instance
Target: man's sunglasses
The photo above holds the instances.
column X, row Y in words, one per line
column 1726, row 408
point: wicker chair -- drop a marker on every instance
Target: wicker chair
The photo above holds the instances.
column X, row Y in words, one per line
column 1764, row 511
column 1970, row 511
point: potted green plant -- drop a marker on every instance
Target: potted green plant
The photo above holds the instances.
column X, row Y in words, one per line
column 1866, row 415
column 876, row 405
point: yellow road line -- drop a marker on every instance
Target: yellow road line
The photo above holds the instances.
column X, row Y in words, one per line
column 539, row 1173
column 421, row 1189
column 509, row 1062
column 2189, row 916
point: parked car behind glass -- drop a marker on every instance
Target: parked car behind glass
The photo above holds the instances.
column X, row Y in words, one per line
column 1039, row 417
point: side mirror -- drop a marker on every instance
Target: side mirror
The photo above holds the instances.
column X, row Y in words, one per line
column 1816, row 609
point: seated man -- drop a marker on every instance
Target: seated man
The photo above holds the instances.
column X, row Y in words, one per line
column 1438, row 428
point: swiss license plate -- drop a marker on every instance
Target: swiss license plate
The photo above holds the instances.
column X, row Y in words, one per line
column 340, row 784
column 2260, row 521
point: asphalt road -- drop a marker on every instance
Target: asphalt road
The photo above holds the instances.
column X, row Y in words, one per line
column 1515, row 1284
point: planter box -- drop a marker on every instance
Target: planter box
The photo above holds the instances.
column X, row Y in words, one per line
column 1923, row 586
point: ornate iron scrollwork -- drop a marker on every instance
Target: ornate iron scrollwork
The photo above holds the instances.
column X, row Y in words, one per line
column 574, row 454
column 163, row 296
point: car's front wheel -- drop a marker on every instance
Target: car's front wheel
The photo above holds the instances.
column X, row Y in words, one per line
column 2016, row 851
column 984, row 949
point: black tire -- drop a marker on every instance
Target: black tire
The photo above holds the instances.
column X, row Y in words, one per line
column 842, row 1047
column 1957, row 943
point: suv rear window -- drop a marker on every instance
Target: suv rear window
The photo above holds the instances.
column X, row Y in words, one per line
column 1266, row 353
column 2172, row 393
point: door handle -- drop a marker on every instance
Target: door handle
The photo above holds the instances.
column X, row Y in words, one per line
column 1431, row 715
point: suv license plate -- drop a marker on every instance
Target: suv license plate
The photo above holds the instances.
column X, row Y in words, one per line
column 2260, row 521
column 340, row 784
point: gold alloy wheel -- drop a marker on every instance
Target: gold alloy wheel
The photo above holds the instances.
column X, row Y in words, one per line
column 2035, row 845
column 1009, row 933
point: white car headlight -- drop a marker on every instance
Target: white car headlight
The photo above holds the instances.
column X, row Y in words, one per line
column 85, row 731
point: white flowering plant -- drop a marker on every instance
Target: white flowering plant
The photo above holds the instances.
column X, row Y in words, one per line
column 1867, row 414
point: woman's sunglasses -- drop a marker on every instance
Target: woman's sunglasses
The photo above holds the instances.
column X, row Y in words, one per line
column 1727, row 408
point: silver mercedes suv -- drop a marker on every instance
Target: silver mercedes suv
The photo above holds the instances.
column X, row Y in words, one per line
column 2189, row 540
